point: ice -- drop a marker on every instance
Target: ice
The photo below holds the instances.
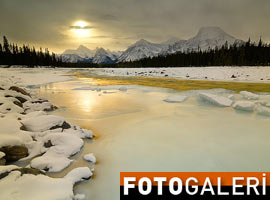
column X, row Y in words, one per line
column 249, row 95
column 175, row 99
column 42, row 123
column 90, row 157
column 216, row 100
column 244, row 105
column 261, row 110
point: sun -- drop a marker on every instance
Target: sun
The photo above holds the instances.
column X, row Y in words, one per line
column 81, row 29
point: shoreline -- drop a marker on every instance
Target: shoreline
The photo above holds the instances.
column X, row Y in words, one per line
column 43, row 141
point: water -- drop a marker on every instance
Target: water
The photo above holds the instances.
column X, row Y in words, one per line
column 137, row 131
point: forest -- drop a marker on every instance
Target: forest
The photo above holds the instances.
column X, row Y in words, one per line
column 244, row 54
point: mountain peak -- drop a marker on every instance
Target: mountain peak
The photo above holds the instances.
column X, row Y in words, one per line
column 81, row 47
column 142, row 42
column 211, row 32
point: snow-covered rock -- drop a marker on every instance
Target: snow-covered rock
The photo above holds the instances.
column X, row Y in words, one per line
column 175, row 99
column 43, row 123
column 90, row 158
column 249, row 95
column 62, row 146
column 215, row 99
column 244, row 105
column 16, row 186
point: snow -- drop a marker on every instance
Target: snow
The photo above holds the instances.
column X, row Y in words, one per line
column 244, row 105
column 47, row 149
column 32, row 76
column 7, row 168
column 42, row 123
column 56, row 157
column 249, row 95
column 90, row 158
column 141, row 49
column 215, row 99
column 175, row 99
column 242, row 74
column 28, row 186
column 37, row 105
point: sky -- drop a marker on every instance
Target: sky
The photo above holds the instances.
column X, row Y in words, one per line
column 116, row 24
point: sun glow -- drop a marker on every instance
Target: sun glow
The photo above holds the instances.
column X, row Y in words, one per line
column 81, row 29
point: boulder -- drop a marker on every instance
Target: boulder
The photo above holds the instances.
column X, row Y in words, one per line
column 14, row 153
column 20, row 90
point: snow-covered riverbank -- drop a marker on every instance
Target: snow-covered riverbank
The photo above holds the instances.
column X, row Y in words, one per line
column 244, row 74
column 31, row 135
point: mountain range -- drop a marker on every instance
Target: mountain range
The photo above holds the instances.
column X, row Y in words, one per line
column 206, row 38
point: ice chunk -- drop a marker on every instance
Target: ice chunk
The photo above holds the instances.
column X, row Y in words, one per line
column 244, row 105
column 249, row 95
column 261, row 110
column 42, row 123
column 90, row 157
column 175, row 99
column 79, row 197
column 215, row 99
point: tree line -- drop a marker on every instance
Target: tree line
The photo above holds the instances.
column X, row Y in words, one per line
column 12, row 54
column 244, row 54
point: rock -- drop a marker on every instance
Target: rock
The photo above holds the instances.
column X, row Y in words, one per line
column 48, row 144
column 14, row 153
column 18, row 103
column 65, row 125
column 2, row 161
column 233, row 76
column 21, row 99
column 20, row 90
column 29, row 171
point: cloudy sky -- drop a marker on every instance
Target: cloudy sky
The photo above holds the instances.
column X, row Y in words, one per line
column 116, row 24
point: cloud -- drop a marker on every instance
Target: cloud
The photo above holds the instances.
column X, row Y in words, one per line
column 116, row 24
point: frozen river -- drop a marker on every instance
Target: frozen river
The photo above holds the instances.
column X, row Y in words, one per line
column 137, row 131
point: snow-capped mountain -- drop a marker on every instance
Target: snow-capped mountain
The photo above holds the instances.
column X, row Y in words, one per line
column 81, row 51
column 141, row 49
column 103, row 57
column 207, row 37
column 83, row 54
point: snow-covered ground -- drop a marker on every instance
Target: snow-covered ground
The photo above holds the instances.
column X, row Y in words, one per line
column 246, row 74
column 30, row 135
column 138, row 128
